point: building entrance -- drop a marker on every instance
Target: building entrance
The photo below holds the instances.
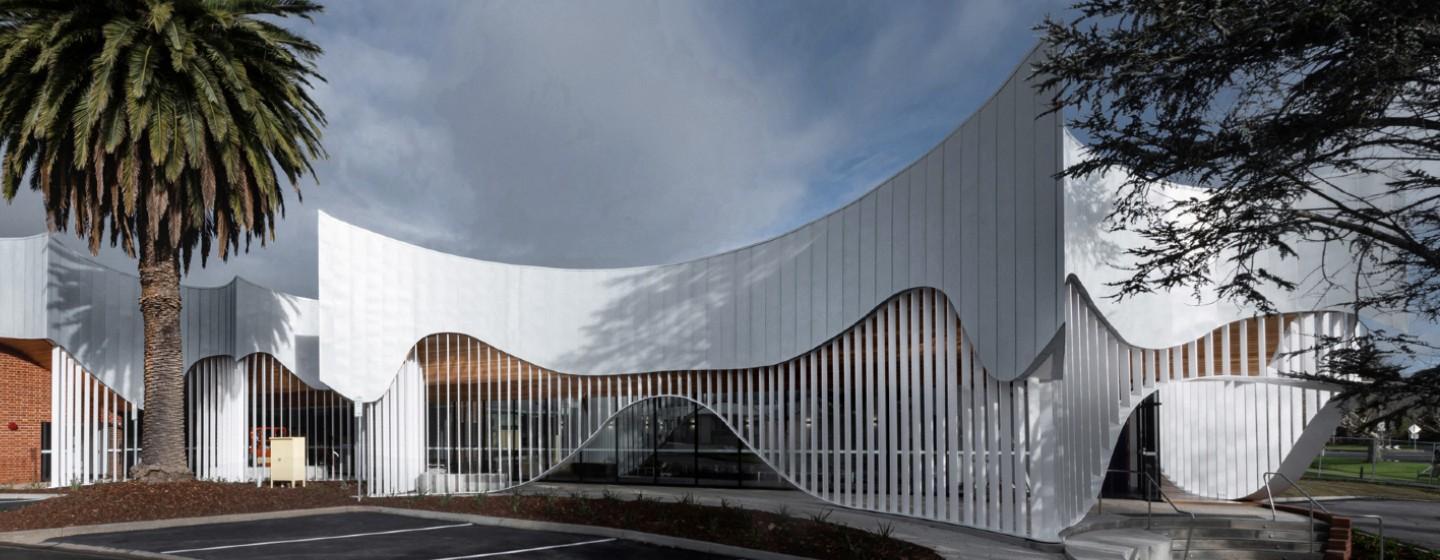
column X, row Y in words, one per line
column 1136, row 459
column 669, row 441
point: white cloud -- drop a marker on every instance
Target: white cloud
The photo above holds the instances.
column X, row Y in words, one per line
column 621, row 133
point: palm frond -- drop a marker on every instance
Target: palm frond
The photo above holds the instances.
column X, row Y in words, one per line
column 163, row 123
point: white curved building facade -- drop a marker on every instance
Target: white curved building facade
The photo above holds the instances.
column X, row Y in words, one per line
column 928, row 350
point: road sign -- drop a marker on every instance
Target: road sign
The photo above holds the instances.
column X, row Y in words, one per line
column 1414, row 431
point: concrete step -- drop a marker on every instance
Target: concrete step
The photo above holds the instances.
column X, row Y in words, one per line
column 1231, row 523
column 1095, row 551
column 1211, row 538
column 1245, row 555
column 1118, row 544
column 1247, row 544
column 1287, row 535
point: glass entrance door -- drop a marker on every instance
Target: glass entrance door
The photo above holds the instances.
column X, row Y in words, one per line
column 1136, row 459
column 668, row 441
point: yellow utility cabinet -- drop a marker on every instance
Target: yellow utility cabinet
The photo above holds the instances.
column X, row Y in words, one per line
column 287, row 460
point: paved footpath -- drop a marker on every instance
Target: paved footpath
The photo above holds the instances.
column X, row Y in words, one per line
column 949, row 541
column 9, row 501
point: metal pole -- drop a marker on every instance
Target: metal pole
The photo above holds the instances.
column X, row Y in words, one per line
column 580, row 453
column 654, row 441
column 359, row 440
column 739, row 464
column 1381, row 534
column 695, row 435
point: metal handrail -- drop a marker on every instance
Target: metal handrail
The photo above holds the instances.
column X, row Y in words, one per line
column 1270, row 497
column 1314, row 503
column 1150, row 507
column 357, row 453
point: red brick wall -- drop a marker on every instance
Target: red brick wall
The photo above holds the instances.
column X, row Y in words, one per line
column 24, row 400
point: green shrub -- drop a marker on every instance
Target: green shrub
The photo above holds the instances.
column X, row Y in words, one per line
column 1367, row 548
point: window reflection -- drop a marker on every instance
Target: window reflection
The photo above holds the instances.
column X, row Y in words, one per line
column 668, row 441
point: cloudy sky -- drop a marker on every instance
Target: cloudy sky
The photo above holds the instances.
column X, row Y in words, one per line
column 599, row 134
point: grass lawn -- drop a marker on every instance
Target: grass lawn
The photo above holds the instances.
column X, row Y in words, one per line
column 1353, row 467
column 1322, row 488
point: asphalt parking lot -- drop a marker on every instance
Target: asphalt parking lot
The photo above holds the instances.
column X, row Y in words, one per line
column 1410, row 521
column 370, row 535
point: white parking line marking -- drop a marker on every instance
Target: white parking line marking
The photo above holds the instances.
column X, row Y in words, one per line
column 312, row 539
column 505, row 552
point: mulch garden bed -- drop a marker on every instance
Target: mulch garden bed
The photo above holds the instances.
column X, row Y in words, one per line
column 129, row 501
column 132, row 501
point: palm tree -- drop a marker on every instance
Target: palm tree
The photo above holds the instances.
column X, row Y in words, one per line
column 161, row 123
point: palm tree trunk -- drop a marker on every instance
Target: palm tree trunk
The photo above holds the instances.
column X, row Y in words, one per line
column 162, row 454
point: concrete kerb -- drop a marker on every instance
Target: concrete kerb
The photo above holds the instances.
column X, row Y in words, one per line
column 1317, row 498
column 38, row 538
column 101, row 550
column 28, row 497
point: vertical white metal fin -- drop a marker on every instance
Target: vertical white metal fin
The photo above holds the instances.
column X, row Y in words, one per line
column 89, row 425
column 894, row 414
column 1226, row 417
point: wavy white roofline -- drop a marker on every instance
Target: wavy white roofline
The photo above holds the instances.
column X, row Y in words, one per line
column 979, row 216
column 90, row 310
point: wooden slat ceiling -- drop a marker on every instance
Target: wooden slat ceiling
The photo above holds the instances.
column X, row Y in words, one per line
column 37, row 351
